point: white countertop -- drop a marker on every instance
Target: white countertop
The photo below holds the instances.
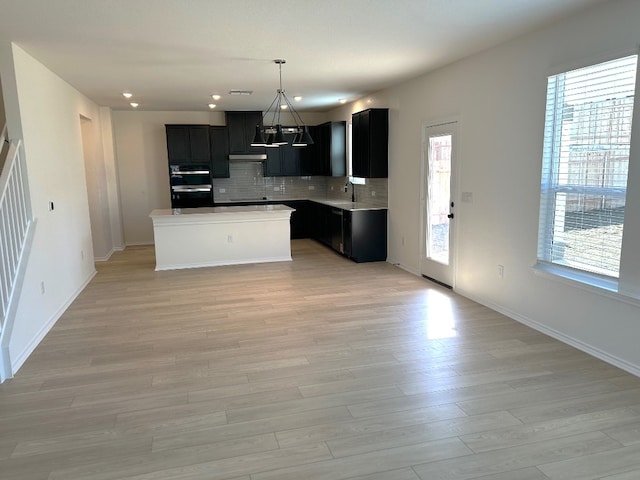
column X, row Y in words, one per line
column 343, row 204
column 172, row 212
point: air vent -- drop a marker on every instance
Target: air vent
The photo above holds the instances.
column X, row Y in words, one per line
column 240, row 92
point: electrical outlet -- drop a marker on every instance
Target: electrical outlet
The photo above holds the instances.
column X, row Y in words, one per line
column 312, row 187
column 223, row 190
column 373, row 193
column 229, row 238
column 276, row 189
column 500, row 271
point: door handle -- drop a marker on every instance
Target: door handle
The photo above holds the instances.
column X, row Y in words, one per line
column 450, row 215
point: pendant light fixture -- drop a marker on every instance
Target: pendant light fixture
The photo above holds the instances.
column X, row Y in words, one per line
column 273, row 135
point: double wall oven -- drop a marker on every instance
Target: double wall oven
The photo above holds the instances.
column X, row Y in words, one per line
column 191, row 185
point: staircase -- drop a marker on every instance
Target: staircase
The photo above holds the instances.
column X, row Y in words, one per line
column 17, row 227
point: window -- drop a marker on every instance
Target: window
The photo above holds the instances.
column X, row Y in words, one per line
column 587, row 139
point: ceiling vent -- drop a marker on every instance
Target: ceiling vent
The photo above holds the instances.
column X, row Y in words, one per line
column 240, row 92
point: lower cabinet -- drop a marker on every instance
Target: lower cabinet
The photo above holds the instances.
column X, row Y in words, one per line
column 364, row 235
column 300, row 219
column 320, row 223
column 360, row 235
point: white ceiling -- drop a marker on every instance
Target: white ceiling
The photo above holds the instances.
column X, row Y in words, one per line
column 173, row 54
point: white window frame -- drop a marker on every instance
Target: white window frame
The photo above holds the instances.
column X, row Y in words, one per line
column 545, row 266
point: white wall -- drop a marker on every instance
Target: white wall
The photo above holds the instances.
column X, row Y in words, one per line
column 141, row 150
column 49, row 120
column 499, row 97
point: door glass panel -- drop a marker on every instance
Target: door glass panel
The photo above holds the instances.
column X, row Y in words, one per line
column 438, row 198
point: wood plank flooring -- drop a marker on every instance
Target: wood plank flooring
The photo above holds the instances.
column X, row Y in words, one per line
column 315, row 369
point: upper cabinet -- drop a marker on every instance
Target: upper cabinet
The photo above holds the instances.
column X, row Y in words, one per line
column 188, row 144
column 370, row 147
column 328, row 154
column 219, row 148
column 283, row 161
column 242, row 128
column 199, row 145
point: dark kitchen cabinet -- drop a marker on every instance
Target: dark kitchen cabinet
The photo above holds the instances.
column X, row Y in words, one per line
column 334, row 148
column 283, row 161
column 219, row 149
column 242, row 128
column 273, row 163
column 188, row 144
column 290, row 157
column 370, row 143
column 300, row 219
column 360, row 235
column 310, row 163
column 365, row 235
column 328, row 154
column 319, row 222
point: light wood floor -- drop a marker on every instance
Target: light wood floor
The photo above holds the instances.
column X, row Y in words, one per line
column 318, row 368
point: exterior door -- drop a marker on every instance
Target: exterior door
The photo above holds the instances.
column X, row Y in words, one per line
column 438, row 205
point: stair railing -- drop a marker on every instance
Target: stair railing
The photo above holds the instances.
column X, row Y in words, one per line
column 16, row 235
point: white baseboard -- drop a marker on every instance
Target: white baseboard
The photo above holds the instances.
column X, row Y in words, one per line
column 107, row 257
column 405, row 268
column 584, row 347
column 28, row 350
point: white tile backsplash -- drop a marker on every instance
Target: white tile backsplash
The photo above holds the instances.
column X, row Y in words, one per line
column 247, row 182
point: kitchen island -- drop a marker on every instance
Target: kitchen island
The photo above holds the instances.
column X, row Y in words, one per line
column 213, row 236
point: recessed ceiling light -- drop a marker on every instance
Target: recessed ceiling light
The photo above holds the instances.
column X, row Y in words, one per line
column 283, row 107
column 297, row 98
column 127, row 94
column 134, row 104
column 343, row 100
column 215, row 97
column 212, row 106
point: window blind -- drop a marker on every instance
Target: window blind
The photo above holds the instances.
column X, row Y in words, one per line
column 587, row 138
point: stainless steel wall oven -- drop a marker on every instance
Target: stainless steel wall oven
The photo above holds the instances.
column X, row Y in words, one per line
column 190, row 186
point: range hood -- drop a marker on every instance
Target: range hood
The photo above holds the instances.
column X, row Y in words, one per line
column 248, row 157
